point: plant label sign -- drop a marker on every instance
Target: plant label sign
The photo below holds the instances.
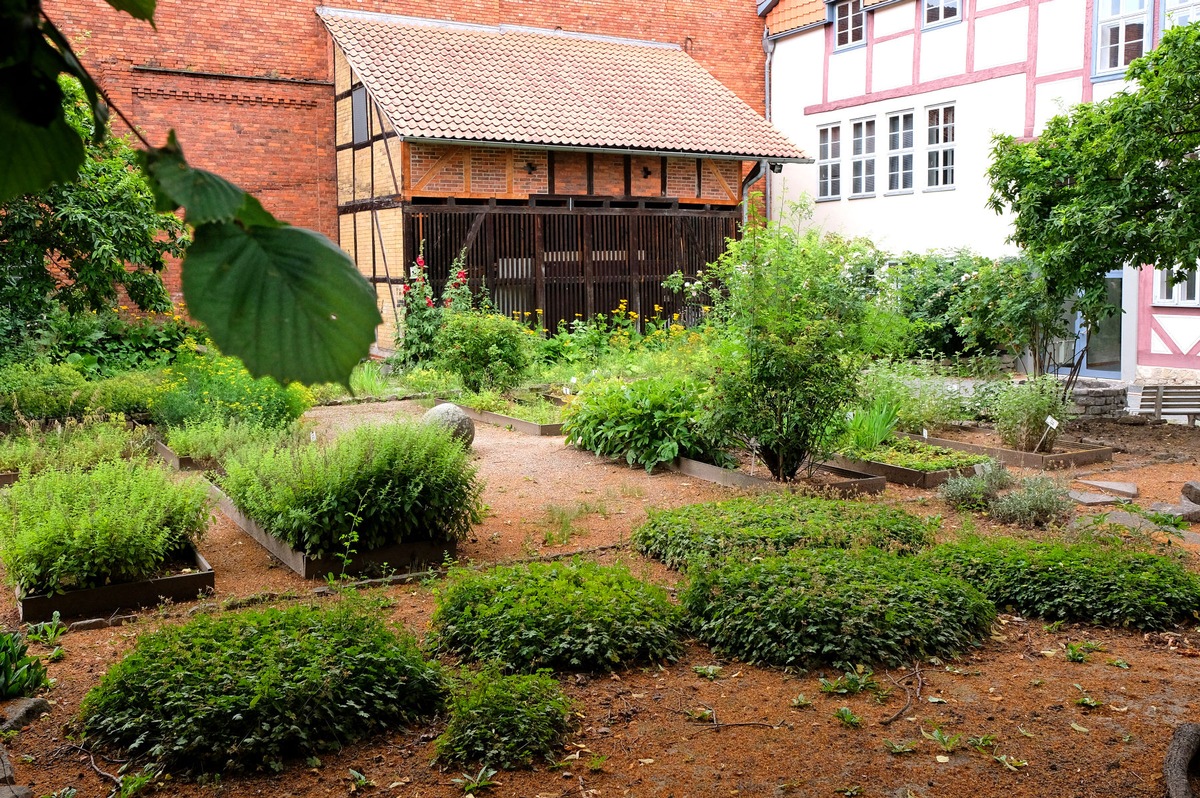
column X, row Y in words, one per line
column 925, row 434
column 1051, row 422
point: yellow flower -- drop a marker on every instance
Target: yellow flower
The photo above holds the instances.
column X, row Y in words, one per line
column 705, row 308
column 537, row 311
column 658, row 308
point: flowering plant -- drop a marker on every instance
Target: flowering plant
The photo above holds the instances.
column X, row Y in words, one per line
column 421, row 319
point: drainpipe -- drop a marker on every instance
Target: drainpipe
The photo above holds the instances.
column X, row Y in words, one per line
column 768, row 48
column 759, row 169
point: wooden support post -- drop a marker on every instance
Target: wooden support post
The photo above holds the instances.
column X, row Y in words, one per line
column 589, row 277
column 634, row 268
column 539, row 262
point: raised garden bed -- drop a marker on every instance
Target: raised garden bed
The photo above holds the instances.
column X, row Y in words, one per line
column 515, row 424
column 846, row 482
column 899, row 474
column 411, row 555
column 9, row 477
column 107, row 600
column 175, row 461
column 1071, row 453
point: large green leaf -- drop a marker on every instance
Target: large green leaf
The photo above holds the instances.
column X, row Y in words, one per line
column 138, row 9
column 32, row 157
column 205, row 197
column 285, row 300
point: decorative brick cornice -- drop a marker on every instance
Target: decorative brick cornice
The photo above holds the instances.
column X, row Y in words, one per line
column 221, row 97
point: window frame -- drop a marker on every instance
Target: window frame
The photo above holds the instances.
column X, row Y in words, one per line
column 1105, row 22
column 851, row 28
column 1165, row 293
column 941, row 6
column 863, row 164
column 360, row 116
column 829, row 162
column 1193, row 7
column 941, row 147
column 898, row 153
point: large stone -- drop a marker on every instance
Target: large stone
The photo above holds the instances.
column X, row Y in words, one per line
column 6, row 771
column 453, row 418
column 9, row 791
column 1185, row 509
column 1126, row 489
column 1091, row 499
column 1191, row 491
column 21, row 712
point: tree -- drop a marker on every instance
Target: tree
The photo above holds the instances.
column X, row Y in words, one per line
column 1111, row 183
column 285, row 300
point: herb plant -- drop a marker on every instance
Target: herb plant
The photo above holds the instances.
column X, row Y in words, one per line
column 1037, row 501
column 1021, row 411
column 918, row 456
column 485, row 350
column 214, row 440
column 20, row 674
column 73, row 445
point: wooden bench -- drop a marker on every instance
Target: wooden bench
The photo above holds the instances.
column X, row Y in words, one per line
column 1170, row 400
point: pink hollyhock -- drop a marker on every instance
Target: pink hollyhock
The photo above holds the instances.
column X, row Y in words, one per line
column 429, row 301
column 447, row 301
column 421, row 261
column 462, row 274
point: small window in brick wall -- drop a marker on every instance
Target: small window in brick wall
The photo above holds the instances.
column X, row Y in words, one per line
column 358, row 113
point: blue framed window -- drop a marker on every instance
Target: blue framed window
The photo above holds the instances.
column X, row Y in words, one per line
column 1181, row 12
column 942, row 12
column 1103, row 342
column 1122, row 34
column 850, row 24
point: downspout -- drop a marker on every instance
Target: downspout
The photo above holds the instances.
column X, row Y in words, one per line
column 768, row 48
column 758, row 170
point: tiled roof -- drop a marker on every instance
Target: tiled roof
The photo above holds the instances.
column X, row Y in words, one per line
column 791, row 14
column 440, row 80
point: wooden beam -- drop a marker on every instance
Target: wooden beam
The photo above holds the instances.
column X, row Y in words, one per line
column 438, row 165
column 720, row 181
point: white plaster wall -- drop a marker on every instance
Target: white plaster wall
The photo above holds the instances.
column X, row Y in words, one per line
column 1058, row 50
column 984, row 5
column 943, row 51
column 797, row 67
column 847, row 73
column 1052, row 99
column 894, row 19
column 892, row 64
column 1002, row 38
column 1107, row 88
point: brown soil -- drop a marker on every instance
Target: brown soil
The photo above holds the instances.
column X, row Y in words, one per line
column 1017, row 686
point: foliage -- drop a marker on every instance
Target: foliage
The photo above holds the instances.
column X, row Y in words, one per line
column 918, row 456
column 836, row 607
column 505, row 721
column 244, row 691
column 369, row 488
column 775, row 523
column 119, row 522
column 527, row 406
column 1021, row 411
column 976, row 491
column 1111, row 183
column 927, row 289
column 107, row 344
column 422, row 318
column 73, row 445
column 870, row 427
column 1037, row 501
column 649, row 421
column 215, row 440
column 576, row 616
column 40, row 390
column 204, row 385
column 485, row 350
column 284, row 299
column 20, row 674
column 1086, row 582
column 130, row 394
column 923, row 397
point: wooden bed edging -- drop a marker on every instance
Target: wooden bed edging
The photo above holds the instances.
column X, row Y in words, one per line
column 399, row 556
column 175, row 461
column 899, row 474
column 516, row 424
column 1080, row 454
column 106, row 600
column 855, row 483
column 9, row 477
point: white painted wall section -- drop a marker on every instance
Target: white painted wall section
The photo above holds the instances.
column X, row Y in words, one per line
column 1056, row 52
column 1001, row 39
column 847, row 73
column 894, row 19
column 943, row 51
column 1053, row 99
column 892, row 64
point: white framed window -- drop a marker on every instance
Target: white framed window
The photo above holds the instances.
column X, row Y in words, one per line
column 941, row 12
column 1121, row 34
column 1181, row 294
column 941, row 146
column 862, row 158
column 850, row 24
column 900, row 151
column 1182, row 12
column 829, row 162
column 358, row 115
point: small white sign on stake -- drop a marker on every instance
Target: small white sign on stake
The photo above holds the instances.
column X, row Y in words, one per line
column 925, row 434
column 1051, row 422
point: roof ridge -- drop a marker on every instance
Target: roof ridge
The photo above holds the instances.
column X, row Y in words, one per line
column 478, row 28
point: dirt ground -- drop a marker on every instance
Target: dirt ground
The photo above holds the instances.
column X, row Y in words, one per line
column 637, row 735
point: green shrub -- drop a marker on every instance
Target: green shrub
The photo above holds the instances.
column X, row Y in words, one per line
column 369, row 488
column 485, row 350
column 204, row 385
column 530, row 407
column 923, row 397
column 836, row 607
column 244, row 691
column 976, row 491
column 647, row 422
column 213, row 441
column 505, row 721
column 775, row 523
column 1085, row 582
column 1021, row 411
column 1037, row 501
column 576, row 616
column 119, row 522
column 918, row 456
column 132, row 393
column 40, row 391
column 73, row 445
column 20, row 674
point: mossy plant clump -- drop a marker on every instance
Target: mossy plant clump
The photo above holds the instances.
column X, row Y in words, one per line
column 836, row 607
column 577, row 616
column 776, row 523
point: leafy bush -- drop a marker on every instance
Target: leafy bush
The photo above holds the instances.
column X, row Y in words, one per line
column 485, row 350
column 73, row 445
column 505, row 721
column 836, row 607
column 1085, row 582
column 923, row 397
column 106, row 344
column 244, row 691
column 204, row 385
column 576, row 616
column 1021, row 411
column 648, row 422
column 976, row 491
column 775, row 523
column 20, row 674
column 531, row 407
column 371, row 487
column 928, row 288
column 919, row 456
column 39, row 391
column 215, row 440
column 119, row 522
column 1037, row 501
column 132, row 393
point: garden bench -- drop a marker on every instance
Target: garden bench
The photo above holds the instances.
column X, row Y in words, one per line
column 1170, row 400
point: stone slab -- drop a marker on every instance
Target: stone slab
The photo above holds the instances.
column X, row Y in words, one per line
column 6, row 771
column 1185, row 509
column 1091, row 499
column 1191, row 491
column 20, row 712
column 1127, row 489
column 10, row 791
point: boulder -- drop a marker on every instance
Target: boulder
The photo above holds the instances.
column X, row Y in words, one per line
column 1191, row 491
column 453, row 418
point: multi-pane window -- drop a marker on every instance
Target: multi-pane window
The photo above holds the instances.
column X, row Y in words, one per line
column 1122, row 34
column 941, row 146
column 862, row 157
column 1181, row 293
column 1182, row 12
column 938, row 12
column 829, row 163
column 849, row 23
column 900, row 151
column 358, row 115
